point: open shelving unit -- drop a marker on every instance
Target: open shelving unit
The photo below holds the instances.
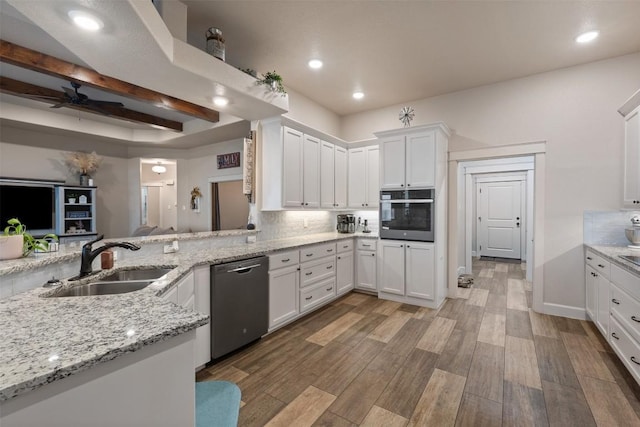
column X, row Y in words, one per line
column 75, row 213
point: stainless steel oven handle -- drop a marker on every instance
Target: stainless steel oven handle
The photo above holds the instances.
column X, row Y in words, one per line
column 407, row 201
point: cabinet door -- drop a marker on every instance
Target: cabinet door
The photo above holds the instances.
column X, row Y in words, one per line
column 421, row 160
column 393, row 158
column 366, row 270
column 373, row 177
column 391, row 267
column 591, row 282
column 186, row 289
column 357, row 177
column 344, row 272
column 632, row 160
column 602, row 305
column 172, row 295
column 202, row 278
column 311, row 172
column 420, row 267
column 327, row 175
column 283, row 295
column 340, row 173
column 292, row 168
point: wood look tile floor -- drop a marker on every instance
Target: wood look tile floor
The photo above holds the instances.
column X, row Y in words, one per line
column 483, row 359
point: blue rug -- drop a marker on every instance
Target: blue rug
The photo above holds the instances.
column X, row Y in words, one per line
column 217, row 404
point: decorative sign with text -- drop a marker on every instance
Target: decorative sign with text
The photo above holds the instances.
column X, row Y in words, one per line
column 229, row 160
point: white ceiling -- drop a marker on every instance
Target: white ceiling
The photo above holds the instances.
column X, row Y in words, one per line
column 395, row 51
column 399, row 51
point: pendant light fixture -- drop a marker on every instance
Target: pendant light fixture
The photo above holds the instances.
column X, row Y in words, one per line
column 159, row 168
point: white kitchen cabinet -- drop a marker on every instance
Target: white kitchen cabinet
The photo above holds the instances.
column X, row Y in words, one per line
column 202, row 281
column 172, row 295
column 186, row 291
column 366, row 265
column 311, row 172
column 292, row 177
column 591, row 292
column 364, row 177
column 327, row 175
column 406, row 269
column 340, row 177
column 344, row 267
column 597, row 290
column 631, row 196
column 284, row 279
column 408, row 160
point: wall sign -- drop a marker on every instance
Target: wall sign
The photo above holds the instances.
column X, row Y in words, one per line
column 229, row 160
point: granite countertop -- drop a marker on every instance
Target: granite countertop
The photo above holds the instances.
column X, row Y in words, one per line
column 612, row 254
column 46, row 339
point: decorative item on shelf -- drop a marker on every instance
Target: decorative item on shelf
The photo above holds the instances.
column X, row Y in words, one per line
column 250, row 71
column 248, row 167
column 195, row 199
column 83, row 164
column 215, row 43
column 82, row 199
column 71, row 198
column 16, row 242
column 273, row 82
column 406, row 115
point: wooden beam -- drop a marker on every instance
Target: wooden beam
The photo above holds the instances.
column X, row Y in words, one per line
column 43, row 94
column 43, row 63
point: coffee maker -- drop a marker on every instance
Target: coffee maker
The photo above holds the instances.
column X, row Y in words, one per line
column 346, row 223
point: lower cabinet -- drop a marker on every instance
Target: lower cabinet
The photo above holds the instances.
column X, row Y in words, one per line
column 366, row 265
column 406, row 270
column 284, row 280
column 344, row 272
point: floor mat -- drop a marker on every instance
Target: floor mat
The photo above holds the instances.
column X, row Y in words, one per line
column 497, row 259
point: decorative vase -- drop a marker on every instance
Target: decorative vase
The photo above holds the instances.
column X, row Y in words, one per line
column 11, row 247
column 84, row 179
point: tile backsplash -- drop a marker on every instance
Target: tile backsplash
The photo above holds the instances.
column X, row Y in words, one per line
column 606, row 227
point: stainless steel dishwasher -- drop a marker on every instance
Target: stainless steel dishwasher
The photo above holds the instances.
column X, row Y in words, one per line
column 239, row 304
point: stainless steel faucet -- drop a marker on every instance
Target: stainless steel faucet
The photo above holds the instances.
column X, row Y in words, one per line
column 88, row 255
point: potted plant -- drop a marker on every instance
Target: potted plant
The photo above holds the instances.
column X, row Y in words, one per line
column 71, row 198
column 273, row 81
column 16, row 242
column 84, row 164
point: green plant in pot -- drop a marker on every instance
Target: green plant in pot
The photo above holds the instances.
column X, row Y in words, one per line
column 16, row 242
column 273, row 81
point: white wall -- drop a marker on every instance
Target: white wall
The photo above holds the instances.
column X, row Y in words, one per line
column 312, row 114
column 574, row 110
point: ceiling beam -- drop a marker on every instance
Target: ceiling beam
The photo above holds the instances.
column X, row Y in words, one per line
column 43, row 63
column 43, row 94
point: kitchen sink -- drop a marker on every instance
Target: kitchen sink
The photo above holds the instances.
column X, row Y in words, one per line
column 104, row 288
column 133, row 275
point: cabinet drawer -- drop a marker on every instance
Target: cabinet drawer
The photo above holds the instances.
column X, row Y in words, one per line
column 283, row 259
column 626, row 347
column 344, row 245
column 625, row 309
column 625, row 280
column 313, row 271
column 598, row 263
column 316, row 295
column 367, row 245
column 317, row 251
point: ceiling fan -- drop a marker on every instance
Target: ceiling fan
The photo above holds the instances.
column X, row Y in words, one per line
column 75, row 98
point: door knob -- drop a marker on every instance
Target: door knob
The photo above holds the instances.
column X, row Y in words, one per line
column 518, row 218
column 517, row 224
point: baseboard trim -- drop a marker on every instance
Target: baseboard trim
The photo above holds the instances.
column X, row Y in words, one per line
column 564, row 311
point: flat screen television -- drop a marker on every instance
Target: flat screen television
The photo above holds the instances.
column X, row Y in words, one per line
column 32, row 203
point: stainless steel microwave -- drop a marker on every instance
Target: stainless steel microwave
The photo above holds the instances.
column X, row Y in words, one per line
column 407, row 214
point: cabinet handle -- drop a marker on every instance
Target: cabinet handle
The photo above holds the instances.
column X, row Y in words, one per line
column 286, row 260
column 613, row 334
column 365, row 245
column 373, row 254
column 329, row 267
column 328, row 289
column 589, row 258
column 329, row 250
column 633, row 359
column 401, row 185
column 363, row 204
column 615, row 301
column 600, row 265
column 308, row 298
column 345, row 246
column 339, row 257
column 311, row 254
column 635, row 319
column 309, row 273
column 408, row 185
column 402, row 246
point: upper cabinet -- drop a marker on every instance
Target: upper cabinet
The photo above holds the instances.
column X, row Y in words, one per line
column 364, row 177
column 299, row 169
column 631, row 190
column 408, row 160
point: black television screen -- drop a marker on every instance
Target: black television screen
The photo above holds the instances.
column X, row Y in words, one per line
column 33, row 205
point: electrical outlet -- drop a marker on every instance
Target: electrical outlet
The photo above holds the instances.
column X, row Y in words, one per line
column 251, row 239
column 305, row 222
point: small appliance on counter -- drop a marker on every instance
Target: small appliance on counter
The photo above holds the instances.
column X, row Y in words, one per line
column 633, row 232
column 346, row 223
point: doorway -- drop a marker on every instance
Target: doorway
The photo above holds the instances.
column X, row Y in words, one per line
column 229, row 206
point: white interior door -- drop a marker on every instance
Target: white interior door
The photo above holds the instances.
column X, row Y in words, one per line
column 499, row 219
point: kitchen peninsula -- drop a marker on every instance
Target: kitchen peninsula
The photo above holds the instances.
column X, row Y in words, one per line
column 61, row 357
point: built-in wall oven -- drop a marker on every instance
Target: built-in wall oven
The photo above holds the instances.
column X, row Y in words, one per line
column 407, row 214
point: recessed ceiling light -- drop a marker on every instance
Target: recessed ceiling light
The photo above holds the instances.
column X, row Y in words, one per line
column 220, row 101
column 587, row 37
column 358, row 95
column 315, row 64
column 85, row 21
column 159, row 169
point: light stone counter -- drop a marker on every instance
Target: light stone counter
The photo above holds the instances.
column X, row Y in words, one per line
column 612, row 254
column 46, row 339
